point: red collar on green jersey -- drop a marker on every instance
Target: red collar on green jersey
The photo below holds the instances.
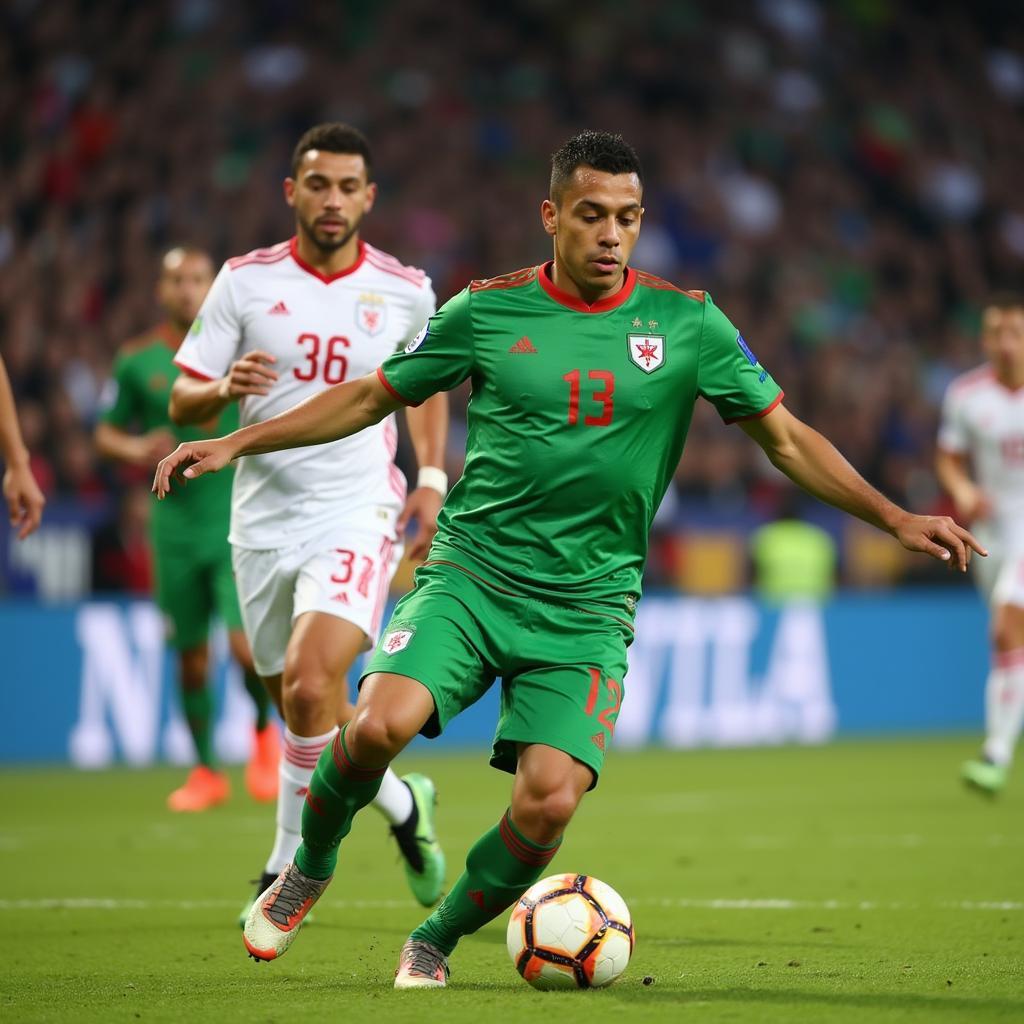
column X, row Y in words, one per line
column 572, row 302
column 327, row 278
column 169, row 335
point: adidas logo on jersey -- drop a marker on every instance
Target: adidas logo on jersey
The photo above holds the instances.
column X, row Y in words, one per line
column 523, row 345
column 279, row 309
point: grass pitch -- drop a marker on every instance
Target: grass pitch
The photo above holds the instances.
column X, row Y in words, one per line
column 855, row 882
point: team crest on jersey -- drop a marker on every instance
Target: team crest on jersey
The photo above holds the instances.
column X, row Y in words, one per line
column 396, row 640
column 646, row 351
column 371, row 314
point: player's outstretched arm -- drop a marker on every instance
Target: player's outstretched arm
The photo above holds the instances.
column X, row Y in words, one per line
column 339, row 411
column 24, row 499
column 813, row 462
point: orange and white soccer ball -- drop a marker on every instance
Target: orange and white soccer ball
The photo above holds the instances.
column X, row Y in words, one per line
column 570, row 931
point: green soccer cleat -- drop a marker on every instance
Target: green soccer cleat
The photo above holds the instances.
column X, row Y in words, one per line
column 984, row 776
column 423, row 856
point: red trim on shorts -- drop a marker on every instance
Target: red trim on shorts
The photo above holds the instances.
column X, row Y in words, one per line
column 764, row 412
column 1009, row 659
column 383, row 585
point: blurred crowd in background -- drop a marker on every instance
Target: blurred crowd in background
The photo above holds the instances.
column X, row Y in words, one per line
column 843, row 177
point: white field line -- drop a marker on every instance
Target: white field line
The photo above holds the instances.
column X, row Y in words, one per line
column 96, row 903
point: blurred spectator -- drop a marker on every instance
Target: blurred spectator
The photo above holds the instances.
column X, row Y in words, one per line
column 121, row 559
column 792, row 558
column 842, row 178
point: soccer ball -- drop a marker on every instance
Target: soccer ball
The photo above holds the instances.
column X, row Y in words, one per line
column 570, row 931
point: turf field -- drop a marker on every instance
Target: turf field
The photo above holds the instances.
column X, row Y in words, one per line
column 855, row 882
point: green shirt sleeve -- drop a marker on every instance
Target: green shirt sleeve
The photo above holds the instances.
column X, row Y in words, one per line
column 728, row 374
column 439, row 358
column 119, row 400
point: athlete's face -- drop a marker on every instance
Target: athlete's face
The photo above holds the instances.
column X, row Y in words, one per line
column 330, row 194
column 595, row 224
column 185, row 278
column 1002, row 332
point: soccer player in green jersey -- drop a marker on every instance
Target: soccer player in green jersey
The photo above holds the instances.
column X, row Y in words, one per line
column 192, row 558
column 585, row 372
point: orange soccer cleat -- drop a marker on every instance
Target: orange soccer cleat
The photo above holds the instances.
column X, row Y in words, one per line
column 261, row 772
column 204, row 788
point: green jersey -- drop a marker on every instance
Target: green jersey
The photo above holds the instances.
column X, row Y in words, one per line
column 576, row 423
column 136, row 398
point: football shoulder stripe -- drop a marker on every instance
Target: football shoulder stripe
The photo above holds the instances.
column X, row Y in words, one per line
column 514, row 280
column 268, row 255
column 389, row 264
column 660, row 284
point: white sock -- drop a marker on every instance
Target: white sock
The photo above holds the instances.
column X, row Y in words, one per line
column 394, row 799
column 1004, row 706
column 298, row 759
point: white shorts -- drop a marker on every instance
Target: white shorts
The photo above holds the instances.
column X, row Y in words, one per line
column 1000, row 577
column 347, row 573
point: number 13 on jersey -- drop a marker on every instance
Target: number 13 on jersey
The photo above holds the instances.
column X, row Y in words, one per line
column 604, row 395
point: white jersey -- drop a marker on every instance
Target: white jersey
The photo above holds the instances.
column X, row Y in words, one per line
column 322, row 330
column 985, row 420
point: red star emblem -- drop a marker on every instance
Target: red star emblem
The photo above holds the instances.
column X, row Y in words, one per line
column 646, row 351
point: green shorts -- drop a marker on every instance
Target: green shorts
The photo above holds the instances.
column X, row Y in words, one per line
column 561, row 667
column 192, row 584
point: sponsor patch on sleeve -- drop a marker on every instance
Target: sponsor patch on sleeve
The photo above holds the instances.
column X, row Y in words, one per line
column 419, row 339
column 745, row 349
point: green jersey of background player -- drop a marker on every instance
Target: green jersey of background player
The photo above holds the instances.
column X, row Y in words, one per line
column 191, row 555
column 585, row 373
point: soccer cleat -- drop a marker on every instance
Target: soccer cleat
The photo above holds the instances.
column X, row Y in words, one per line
column 984, row 776
column 278, row 912
column 265, row 881
column 421, row 965
column 424, row 858
column 204, row 788
column 261, row 777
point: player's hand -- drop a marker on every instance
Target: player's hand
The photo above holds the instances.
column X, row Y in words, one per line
column 154, row 445
column 972, row 504
column 195, row 458
column 24, row 499
column 939, row 536
column 422, row 505
column 250, row 375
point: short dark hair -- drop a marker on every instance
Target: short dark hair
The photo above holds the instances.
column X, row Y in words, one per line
column 601, row 150
column 1004, row 300
column 333, row 137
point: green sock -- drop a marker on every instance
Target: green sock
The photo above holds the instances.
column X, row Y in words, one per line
column 500, row 867
column 338, row 789
column 198, row 707
column 260, row 698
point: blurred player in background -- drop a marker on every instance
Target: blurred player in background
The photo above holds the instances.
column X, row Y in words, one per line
column 192, row 558
column 585, row 373
column 980, row 462
column 24, row 499
column 316, row 533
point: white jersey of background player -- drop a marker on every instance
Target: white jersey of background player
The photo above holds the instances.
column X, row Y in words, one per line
column 981, row 463
column 315, row 532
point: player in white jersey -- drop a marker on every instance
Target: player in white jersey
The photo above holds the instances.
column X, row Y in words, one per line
column 316, row 533
column 981, row 463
